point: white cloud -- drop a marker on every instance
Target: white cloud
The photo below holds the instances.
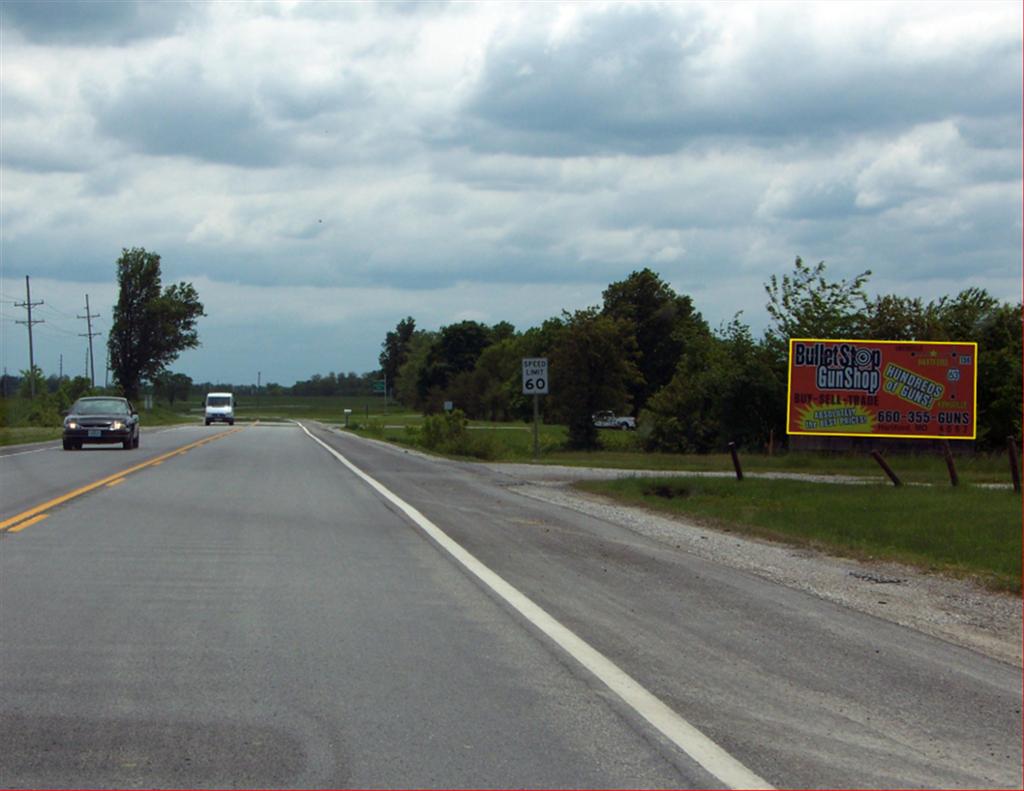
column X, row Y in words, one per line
column 324, row 169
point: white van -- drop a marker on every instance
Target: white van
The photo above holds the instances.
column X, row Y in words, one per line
column 220, row 406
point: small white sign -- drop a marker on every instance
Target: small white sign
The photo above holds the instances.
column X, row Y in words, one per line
column 535, row 375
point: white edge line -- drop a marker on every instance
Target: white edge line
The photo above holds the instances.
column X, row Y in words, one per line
column 26, row 452
column 712, row 758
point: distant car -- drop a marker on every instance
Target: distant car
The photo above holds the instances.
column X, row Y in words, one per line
column 102, row 420
column 608, row 419
column 220, row 407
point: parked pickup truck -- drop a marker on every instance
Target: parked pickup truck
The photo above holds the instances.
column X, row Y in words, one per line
column 608, row 419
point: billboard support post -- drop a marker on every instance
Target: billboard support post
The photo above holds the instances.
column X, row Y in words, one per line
column 736, row 461
column 1011, row 450
column 954, row 479
column 886, row 468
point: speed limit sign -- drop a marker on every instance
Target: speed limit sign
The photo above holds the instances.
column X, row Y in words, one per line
column 535, row 376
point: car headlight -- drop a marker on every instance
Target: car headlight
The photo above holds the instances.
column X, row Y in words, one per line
column 117, row 425
column 69, row 423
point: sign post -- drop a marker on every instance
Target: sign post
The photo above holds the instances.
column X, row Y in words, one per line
column 535, row 383
column 381, row 386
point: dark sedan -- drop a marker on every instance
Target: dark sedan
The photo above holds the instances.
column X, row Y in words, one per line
column 103, row 420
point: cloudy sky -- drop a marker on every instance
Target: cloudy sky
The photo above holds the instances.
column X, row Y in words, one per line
column 321, row 170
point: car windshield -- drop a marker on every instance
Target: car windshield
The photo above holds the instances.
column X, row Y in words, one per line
column 103, row 406
column 218, row 401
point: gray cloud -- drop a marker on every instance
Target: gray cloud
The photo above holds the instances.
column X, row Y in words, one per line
column 641, row 80
column 339, row 166
column 181, row 112
column 93, row 22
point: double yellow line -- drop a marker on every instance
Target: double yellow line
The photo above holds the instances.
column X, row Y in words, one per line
column 36, row 513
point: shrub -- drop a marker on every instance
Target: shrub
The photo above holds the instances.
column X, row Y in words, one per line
column 448, row 433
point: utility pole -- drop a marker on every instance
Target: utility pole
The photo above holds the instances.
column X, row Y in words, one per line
column 29, row 304
column 89, row 334
column 60, row 375
column 259, row 379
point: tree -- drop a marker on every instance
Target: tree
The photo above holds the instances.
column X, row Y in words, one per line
column 806, row 305
column 663, row 322
column 730, row 390
column 32, row 381
column 592, row 368
column 1000, row 351
column 395, row 349
column 151, row 325
column 171, row 387
column 455, row 351
column 893, row 318
column 410, row 374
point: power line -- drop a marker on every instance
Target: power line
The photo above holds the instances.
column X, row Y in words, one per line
column 28, row 304
column 90, row 335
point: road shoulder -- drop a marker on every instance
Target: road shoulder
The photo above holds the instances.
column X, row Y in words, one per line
column 958, row 611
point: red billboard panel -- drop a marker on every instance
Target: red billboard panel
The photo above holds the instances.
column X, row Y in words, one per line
column 882, row 388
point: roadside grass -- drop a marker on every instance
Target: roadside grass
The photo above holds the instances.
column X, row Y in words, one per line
column 23, row 435
column 966, row 531
column 513, row 442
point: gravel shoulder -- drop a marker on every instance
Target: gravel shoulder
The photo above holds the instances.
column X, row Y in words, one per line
column 955, row 610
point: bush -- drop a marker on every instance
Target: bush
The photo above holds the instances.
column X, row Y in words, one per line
column 43, row 412
column 374, row 428
column 448, row 434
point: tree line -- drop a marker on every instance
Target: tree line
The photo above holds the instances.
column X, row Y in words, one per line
column 646, row 350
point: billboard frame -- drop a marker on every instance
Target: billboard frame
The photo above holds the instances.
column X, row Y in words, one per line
column 790, row 431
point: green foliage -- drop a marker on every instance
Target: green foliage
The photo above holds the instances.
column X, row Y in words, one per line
column 593, row 367
column 151, row 325
column 71, row 390
column 172, row 387
column 1000, row 395
column 395, row 349
column 32, row 381
column 41, row 410
column 664, row 324
column 731, row 389
column 807, row 305
column 648, row 350
column 448, row 433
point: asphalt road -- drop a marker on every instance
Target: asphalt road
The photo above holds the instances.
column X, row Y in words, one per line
column 252, row 612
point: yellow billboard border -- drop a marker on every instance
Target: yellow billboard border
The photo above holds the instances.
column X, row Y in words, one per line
column 789, row 391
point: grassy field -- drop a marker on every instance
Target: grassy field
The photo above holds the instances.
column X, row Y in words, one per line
column 968, row 531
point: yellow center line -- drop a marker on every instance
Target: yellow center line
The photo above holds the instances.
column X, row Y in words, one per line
column 38, row 509
column 28, row 523
column 115, row 483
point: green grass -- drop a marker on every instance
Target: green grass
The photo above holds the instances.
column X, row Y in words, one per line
column 513, row 442
column 967, row 531
column 20, row 435
column 160, row 415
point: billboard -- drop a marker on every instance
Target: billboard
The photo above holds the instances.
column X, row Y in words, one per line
column 917, row 389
